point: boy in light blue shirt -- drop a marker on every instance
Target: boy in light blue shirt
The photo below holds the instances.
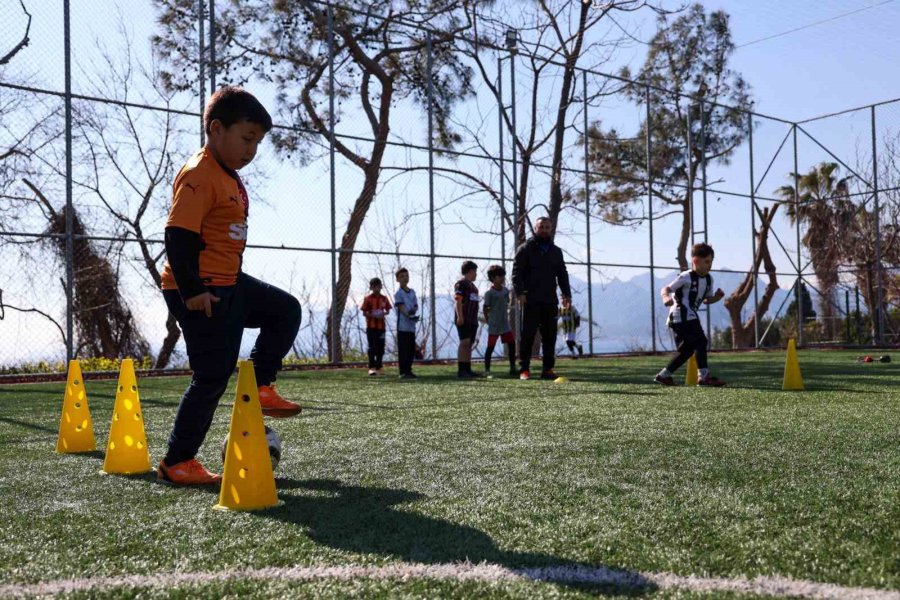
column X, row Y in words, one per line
column 407, row 306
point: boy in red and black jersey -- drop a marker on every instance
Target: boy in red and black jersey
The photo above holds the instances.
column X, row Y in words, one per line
column 375, row 308
column 466, row 296
column 205, row 289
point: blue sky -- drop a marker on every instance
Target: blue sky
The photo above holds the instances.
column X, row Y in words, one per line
column 843, row 63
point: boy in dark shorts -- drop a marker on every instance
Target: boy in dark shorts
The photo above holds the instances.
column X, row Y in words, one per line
column 375, row 308
column 496, row 314
column 407, row 318
column 466, row 296
column 205, row 288
column 685, row 295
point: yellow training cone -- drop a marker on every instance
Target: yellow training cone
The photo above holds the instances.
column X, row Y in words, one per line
column 793, row 380
column 247, row 480
column 692, row 375
column 561, row 380
column 76, row 430
column 126, row 451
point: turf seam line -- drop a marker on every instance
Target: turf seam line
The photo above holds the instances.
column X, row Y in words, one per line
column 467, row 572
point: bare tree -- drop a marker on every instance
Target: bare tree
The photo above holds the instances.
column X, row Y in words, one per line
column 378, row 61
column 23, row 42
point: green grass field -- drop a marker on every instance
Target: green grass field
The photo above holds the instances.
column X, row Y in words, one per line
column 607, row 469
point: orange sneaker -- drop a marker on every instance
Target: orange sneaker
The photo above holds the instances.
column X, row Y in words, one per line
column 187, row 472
column 273, row 405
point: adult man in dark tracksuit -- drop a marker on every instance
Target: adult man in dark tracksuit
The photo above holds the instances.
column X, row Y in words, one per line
column 538, row 268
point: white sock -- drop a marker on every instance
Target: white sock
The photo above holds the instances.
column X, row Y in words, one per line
column 704, row 372
column 665, row 373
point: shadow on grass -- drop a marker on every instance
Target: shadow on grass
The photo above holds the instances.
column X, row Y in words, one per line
column 29, row 425
column 367, row 520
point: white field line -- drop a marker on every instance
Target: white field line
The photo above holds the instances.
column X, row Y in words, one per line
column 484, row 572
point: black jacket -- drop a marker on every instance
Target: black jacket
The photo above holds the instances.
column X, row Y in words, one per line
column 536, row 273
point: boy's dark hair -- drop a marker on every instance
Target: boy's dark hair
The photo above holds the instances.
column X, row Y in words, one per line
column 468, row 266
column 702, row 250
column 401, row 270
column 374, row 281
column 231, row 104
column 494, row 271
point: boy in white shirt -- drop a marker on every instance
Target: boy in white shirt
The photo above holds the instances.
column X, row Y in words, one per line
column 685, row 295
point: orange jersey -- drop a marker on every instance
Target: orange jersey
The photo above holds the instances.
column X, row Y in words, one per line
column 375, row 303
column 207, row 200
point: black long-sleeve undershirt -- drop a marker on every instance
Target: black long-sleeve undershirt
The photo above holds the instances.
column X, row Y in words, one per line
column 183, row 251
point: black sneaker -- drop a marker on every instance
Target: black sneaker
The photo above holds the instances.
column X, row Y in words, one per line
column 669, row 381
column 466, row 375
column 514, row 372
column 409, row 375
column 551, row 374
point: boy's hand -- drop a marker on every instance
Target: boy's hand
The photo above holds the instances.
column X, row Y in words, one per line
column 202, row 302
column 719, row 294
column 566, row 302
column 522, row 298
column 667, row 300
column 459, row 320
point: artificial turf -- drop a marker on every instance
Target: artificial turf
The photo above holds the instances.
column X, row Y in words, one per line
column 607, row 468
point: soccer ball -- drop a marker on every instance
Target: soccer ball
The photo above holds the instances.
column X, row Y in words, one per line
column 272, row 440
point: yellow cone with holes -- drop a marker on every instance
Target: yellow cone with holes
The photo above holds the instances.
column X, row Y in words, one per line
column 692, row 375
column 76, row 430
column 793, row 379
column 126, row 450
column 247, row 479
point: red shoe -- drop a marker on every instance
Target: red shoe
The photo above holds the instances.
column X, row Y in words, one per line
column 187, row 472
column 525, row 375
column 274, row 405
column 664, row 380
column 711, row 381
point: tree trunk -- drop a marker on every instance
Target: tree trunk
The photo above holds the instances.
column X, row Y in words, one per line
column 743, row 333
column 556, row 198
column 173, row 334
column 345, row 260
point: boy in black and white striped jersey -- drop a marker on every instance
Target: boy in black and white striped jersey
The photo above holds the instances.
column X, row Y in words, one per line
column 685, row 295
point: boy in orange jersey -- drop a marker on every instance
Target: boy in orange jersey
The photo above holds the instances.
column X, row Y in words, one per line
column 375, row 308
column 205, row 289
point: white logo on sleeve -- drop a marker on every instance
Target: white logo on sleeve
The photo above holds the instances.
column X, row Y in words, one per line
column 238, row 231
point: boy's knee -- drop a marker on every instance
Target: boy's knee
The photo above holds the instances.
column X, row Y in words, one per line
column 294, row 312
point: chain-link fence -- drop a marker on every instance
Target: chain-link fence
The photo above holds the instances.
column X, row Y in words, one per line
column 420, row 140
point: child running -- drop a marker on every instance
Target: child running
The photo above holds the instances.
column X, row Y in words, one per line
column 685, row 295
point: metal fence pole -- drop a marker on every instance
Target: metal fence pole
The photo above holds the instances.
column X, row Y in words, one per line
column 879, row 289
column 433, row 294
column 800, row 316
column 517, row 216
column 70, row 217
column 212, row 46
column 587, row 216
column 201, row 5
column 332, row 189
column 501, row 166
column 705, row 208
column 649, row 150
column 753, row 237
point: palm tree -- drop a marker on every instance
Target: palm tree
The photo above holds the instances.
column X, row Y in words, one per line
column 823, row 204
